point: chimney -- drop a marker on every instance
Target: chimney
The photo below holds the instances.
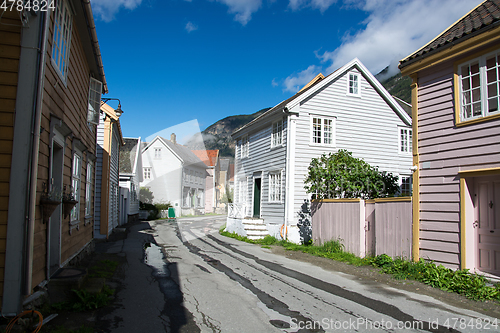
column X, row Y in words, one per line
column 172, row 138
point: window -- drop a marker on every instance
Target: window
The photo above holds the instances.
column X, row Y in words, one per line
column 405, row 140
column 158, row 153
column 75, row 184
column 147, row 173
column 406, row 185
column 244, row 146
column 353, row 84
column 323, row 131
column 88, row 190
column 62, row 38
column 242, row 188
column 275, row 187
column 95, row 89
column 479, row 86
column 200, row 198
column 277, row 135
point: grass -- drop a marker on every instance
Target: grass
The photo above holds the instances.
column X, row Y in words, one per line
column 470, row 285
column 103, row 269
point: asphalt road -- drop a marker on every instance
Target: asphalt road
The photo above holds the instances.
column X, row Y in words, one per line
column 212, row 283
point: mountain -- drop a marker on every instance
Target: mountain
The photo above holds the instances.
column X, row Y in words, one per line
column 218, row 135
column 396, row 85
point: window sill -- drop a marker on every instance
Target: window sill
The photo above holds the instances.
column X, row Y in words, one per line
column 353, row 95
column 321, row 145
column 277, row 147
column 477, row 120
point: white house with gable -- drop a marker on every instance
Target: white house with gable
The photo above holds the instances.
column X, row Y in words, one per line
column 349, row 109
column 174, row 174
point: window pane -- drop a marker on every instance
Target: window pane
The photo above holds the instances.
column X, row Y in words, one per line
column 475, row 81
column 491, row 62
column 465, row 84
column 474, row 68
column 476, row 109
column 492, row 75
column 493, row 104
column 476, row 95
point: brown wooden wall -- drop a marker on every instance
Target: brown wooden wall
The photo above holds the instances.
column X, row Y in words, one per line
column 10, row 51
column 68, row 102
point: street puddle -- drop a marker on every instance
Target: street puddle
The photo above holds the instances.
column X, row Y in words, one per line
column 153, row 256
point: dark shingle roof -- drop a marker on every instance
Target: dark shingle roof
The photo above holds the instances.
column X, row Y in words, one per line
column 482, row 18
column 128, row 153
column 184, row 153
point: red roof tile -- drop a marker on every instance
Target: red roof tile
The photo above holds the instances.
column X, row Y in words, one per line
column 209, row 157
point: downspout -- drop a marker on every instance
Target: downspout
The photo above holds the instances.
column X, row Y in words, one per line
column 287, row 166
column 33, row 173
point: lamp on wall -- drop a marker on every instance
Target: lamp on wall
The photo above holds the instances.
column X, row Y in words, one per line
column 118, row 110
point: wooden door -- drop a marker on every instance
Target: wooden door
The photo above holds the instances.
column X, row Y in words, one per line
column 487, row 224
column 256, row 197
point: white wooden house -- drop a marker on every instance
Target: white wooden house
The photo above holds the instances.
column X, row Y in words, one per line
column 174, row 174
column 130, row 178
column 349, row 109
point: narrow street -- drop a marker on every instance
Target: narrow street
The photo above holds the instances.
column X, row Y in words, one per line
column 213, row 283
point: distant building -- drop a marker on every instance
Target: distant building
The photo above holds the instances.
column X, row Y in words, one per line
column 212, row 187
column 130, row 179
column 174, row 174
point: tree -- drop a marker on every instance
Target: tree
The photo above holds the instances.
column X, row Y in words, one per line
column 228, row 196
column 145, row 195
column 341, row 175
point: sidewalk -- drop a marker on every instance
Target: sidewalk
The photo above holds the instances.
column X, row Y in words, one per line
column 137, row 304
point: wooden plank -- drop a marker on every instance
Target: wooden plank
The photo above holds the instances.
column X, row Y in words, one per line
column 5, row 160
column 10, row 51
column 7, row 119
column 8, row 92
column 440, row 257
column 7, row 105
column 8, row 79
column 10, row 38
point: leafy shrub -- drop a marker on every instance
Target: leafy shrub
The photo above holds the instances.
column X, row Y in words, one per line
column 382, row 260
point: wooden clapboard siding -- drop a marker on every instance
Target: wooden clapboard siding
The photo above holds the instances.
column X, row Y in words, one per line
column 366, row 126
column 261, row 158
column 10, row 50
column 68, row 101
column 114, row 179
column 444, row 150
column 98, row 177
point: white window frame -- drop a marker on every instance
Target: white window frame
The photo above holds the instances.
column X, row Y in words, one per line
column 146, row 172
column 61, row 40
column 275, row 186
column 157, row 153
column 406, row 181
column 354, row 84
column 76, row 184
column 88, row 189
column 482, row 90
column 94, row 110
column 277, row 134
column 405, row 137
column 245, row 147
column 323, row 122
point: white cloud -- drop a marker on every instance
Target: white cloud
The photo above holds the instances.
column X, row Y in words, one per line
column 295, row 82
column 322, row 5
column 274, row 83
column 190, row 26
column 243, row 9
column 394, row 29
column 106, row 9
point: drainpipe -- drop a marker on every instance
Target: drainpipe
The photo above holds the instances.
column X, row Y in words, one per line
column 287, row 173
column 33, row 175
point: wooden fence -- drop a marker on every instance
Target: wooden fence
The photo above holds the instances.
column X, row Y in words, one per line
column 370, row 227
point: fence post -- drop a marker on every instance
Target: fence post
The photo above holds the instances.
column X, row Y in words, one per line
column 362, row 232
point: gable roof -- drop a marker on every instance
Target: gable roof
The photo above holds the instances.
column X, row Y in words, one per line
column 317, row 84
column 209, row 157
column 484, row 17
column 129, row 155
column 183, row 153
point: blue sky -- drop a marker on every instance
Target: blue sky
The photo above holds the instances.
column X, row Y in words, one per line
column 173, row 61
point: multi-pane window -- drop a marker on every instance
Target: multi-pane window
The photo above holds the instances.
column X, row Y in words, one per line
column 406, row 184
column 88, row 190
column 244, row 146
column 147, row 173
column 275, row 187
column 322, row 131
column 353, row 88
column 277, row 135
column 62, row 37
column 95, row 89
column 480, row 86
column 75, row 184
column 157, row 153
column 405, row 140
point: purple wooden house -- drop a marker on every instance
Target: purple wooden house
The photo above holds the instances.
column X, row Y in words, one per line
column 456, row 140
